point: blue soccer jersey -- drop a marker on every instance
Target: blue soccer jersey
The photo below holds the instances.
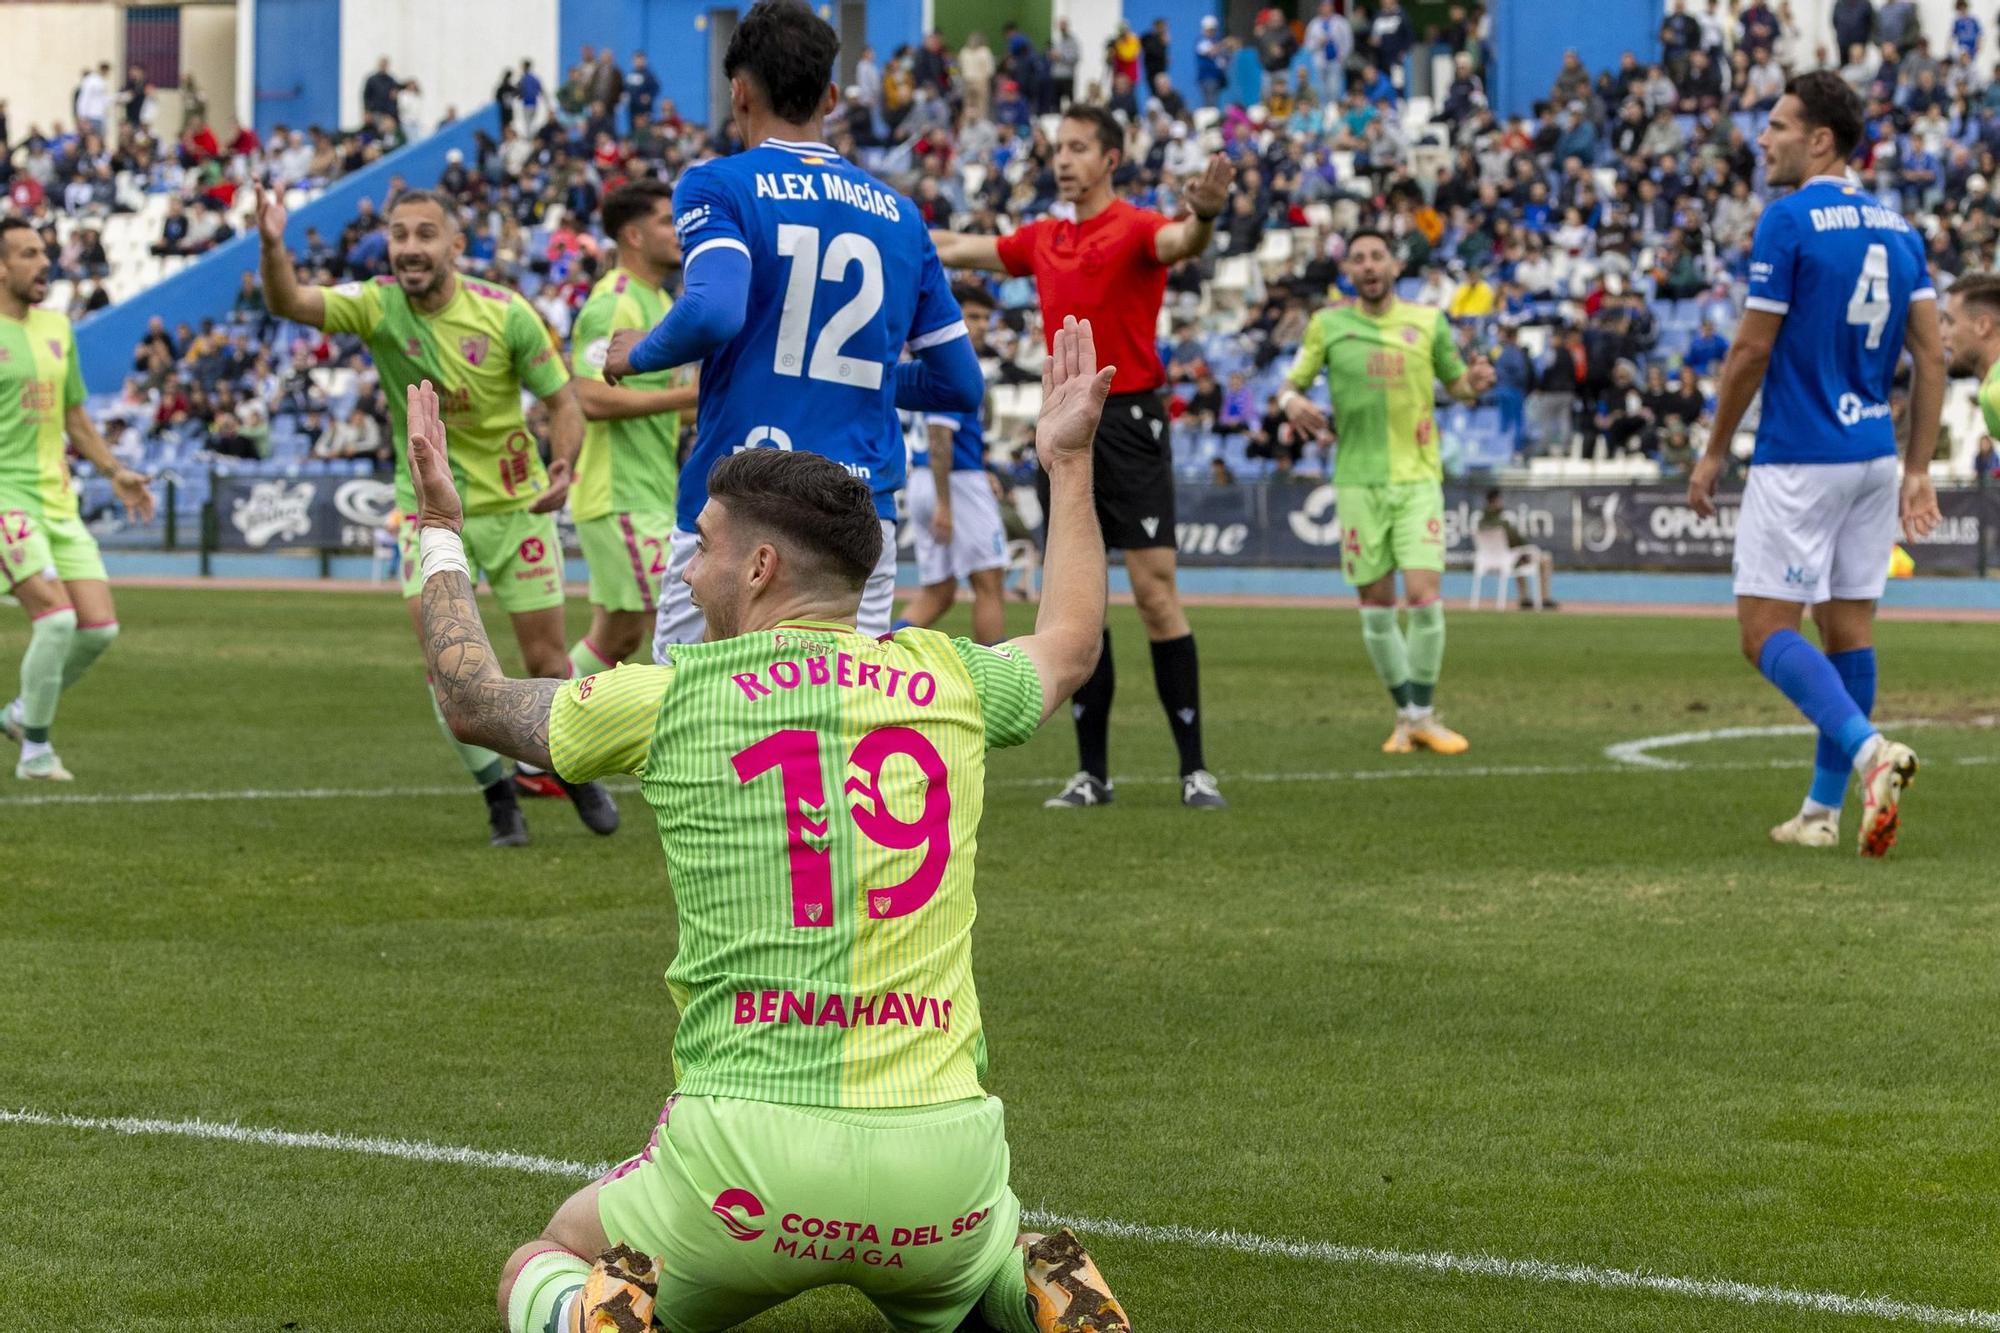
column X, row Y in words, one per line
column 1843, row 271
column 843, row 276
column 968, row 440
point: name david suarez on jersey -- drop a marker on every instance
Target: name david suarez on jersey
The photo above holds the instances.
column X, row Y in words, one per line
column 1853, row 217
column 828, row 188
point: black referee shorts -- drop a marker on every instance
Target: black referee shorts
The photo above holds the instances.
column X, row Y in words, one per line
column 1133, row 471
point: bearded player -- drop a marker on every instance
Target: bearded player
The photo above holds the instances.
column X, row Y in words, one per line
column 1381, row 356
column 483, row 344
column 48, row 559
column 818, row 794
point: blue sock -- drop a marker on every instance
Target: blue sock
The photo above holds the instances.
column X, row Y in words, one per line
column 1830, row 773
column 1812, row 683
column 901, row 625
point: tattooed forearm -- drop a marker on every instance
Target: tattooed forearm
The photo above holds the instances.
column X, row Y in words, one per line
column 482, row 706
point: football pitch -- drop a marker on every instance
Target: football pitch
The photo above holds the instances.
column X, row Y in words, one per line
column 1541, row 1037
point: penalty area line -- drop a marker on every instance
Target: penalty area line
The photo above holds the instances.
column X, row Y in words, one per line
column 1239, row 1242
column 1419, row 774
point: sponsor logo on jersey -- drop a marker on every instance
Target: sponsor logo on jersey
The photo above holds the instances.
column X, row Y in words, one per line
column 413, row 348
column 348, row 289
column 532, row 550
column 474, row 348
column 692, row 220
column 597, row 354
column 725, row 1206
column 1852, row 411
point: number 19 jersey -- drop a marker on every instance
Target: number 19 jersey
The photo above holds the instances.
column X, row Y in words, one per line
column 1843, row 271
column 843, row 275
column 818, row 795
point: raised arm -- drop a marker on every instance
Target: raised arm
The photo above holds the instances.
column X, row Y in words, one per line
column 282, row 293
column 480, row 704
column 1069, row 628
column 962, row 250
column 1206, row 196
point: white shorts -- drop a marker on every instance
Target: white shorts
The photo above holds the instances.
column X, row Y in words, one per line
column 978, row 537
column 1813, row 531
column 679, row 620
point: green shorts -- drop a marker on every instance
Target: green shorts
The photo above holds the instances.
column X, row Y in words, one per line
column 31, row 544
column 520, row 554
column 1391, row 527
column 627, row 554
column 747, row 1204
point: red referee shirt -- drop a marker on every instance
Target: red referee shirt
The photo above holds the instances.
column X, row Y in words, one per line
column 1103, row 270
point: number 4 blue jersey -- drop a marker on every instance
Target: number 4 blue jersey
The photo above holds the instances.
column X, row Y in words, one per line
column 1843, row 271
column 843, row 275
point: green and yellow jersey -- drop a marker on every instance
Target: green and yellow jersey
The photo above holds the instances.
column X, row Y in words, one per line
column 1989, row 400
column 480, row 351
column 627, row 466
column 818, row 795
column 1380, row 375
column 40, row 380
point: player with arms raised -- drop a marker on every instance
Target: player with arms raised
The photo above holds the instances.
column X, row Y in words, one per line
column 1839, row 290
column 483, row 343
column 48, row 559
column 805, row 279
column 818, row 794
column 1381, row 356
column 623, row 499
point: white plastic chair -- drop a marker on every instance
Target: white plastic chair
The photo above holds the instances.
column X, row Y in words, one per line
column 1492, row 555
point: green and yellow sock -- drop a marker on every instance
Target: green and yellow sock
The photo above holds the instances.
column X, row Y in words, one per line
column 49, row 641
column 1426, row 651
column 545, row 1286
column 1004, row 1305
column 586, row 659
column 1383, row 638
column 90, row 643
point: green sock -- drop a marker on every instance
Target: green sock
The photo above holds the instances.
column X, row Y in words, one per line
column 586, row 660
column 1004, row 1306
column 1383, row 638
column 545, row 1283
column 49, row 640
column 483, row 764
column 84, row 650
column 1426, row 651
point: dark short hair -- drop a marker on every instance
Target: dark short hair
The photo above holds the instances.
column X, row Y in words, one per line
column 444, row 205
column 971, row 293
column 13, row 224
column 632, row 201
column 1980, row 289
column 1361, row 234
column 812, row 503
column 788, row 51
column 1829, row 104
column 1110, row 129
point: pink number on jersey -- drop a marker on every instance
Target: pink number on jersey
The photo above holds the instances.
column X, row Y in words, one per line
column 931, row 830
column 795, row 754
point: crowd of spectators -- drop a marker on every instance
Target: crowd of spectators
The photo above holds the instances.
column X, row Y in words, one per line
column 1595, row 248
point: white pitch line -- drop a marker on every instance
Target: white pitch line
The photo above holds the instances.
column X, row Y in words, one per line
column 1238, row 1242
column 1425, row 773
column 1639, row 753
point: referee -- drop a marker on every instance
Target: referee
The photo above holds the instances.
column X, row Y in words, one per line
column 1107, row 262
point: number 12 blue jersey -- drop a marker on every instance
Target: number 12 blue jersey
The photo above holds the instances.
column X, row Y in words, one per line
column 1843, row 271
column 843, row 275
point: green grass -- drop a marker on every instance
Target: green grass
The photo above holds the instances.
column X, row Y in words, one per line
column 1581, row 1016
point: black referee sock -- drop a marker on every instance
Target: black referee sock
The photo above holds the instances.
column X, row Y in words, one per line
column 1177, row 674
column 1091, row 707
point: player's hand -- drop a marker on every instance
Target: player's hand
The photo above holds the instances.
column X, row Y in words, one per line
column 552, row 499
column 1921, row 514
column 941, row 525
column 132, row 491
column 1480, row 375
column 430, row 468
column 1304, row 415
column 1208, row 194
column 1701, row 484
column 618, row 357
column 271, row 217
column 1073, row 394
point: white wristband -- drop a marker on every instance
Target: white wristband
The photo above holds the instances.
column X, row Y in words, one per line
column 439, row 549
column 1285, row 398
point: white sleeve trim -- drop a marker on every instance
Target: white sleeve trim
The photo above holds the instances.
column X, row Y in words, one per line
column 1767, row 305
column 955, row 329
column 718, row 243
column 1924, row 294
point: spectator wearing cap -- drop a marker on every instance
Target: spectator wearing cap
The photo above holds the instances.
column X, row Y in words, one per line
column 1209, row 52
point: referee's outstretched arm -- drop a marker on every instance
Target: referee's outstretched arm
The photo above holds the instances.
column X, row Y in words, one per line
column 1069, row 628
column 957, row 249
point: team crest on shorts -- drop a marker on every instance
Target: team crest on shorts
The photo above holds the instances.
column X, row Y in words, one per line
column 725, row 1206
column 532, row 550
column 474, row 349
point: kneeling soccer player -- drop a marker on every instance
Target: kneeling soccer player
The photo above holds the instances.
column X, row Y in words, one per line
column 829, row 1123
